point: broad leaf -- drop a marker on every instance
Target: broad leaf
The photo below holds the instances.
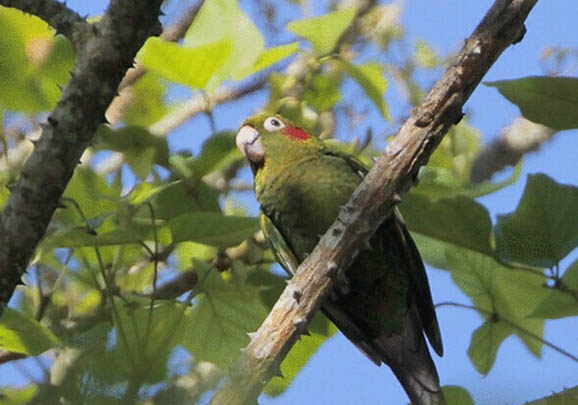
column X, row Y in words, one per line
column 458, row 220
column 223, row 20
column 370, row 77
column 550, row 101
column 456, row 395
column 323, row 32
column 544, row 227
column 560, row 303
column 486, row 340
column 76, row 237
column 141, row 149
column 509, row 295
column 323, row 92
column 22, row 334
column 216, row 329
column 193, row 67
column 34, row 63
column 269, row 57
column 147, row 104
column 209, row 228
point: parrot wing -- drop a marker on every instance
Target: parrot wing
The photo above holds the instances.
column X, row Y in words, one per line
column 421, row 294
column 285, row 256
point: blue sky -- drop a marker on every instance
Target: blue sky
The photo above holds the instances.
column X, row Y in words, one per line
column 339, row 374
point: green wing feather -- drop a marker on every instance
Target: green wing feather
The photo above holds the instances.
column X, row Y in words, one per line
column 421, row 293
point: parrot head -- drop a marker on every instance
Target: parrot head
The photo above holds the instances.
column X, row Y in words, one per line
column 272, row 136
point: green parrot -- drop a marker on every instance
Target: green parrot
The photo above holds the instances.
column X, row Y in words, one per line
column 384, row 303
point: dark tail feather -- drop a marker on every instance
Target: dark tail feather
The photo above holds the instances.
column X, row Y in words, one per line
column 408, row 357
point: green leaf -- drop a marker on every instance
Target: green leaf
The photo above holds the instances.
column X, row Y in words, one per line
column 560, row 303
column 22, row 334
column 544, row 227
column 182, row 197
column 75, row 237
column 235, row 27
column 141, row 149
column 370, row 77
column 456, row 395
column 486, row 340
column 323, row 92
column 218, row 152
column 143, row 192
column 323, row 32
column 147, row 101
column 150, row 337
column 34, row 63
column 19, row 396
column 92, row 193
column 458, row 220
column 550, row 101
column 320, row 329
column 216, row 329
column 209, row 228
column 193, row 67
column 269, row 57
column 510, row 296
column 566, row 397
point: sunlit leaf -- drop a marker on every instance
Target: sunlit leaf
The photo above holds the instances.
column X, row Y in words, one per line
column 224, row 20
column 370, row 77
column 147, row 104
column 22, row 334
column 323, row 32
column 544, row 227
column 269, row 57
column 550, row 101
column 33, row 64
column 93, row 195
column 182, row 197
column 192, row 67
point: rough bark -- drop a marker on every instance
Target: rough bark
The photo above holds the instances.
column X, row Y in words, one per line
column 104, row 54
column 372, row 202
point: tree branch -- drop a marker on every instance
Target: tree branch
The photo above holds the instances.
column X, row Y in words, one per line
column 58, row 15
column 372, row 202
column 102, row 61
column 509, row 148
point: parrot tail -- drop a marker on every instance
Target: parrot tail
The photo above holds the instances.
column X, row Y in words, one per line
column 408, row 357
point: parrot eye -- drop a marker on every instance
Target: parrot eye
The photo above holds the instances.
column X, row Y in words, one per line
column 273, row 124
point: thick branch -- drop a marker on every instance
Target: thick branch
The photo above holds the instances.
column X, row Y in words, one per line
column 509, row 148
column 58, row 15
column 373, row 201
column 102, row 61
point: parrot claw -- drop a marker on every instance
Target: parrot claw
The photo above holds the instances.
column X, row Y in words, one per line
column 341, row 280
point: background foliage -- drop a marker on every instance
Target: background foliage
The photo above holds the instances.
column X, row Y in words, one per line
column 154, row 271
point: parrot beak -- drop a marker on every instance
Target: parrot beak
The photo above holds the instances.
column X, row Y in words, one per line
column 248, row 140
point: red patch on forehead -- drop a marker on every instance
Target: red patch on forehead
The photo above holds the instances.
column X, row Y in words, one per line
column 297, row 133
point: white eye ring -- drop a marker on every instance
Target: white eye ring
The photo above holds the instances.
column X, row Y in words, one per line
column 273, row 124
